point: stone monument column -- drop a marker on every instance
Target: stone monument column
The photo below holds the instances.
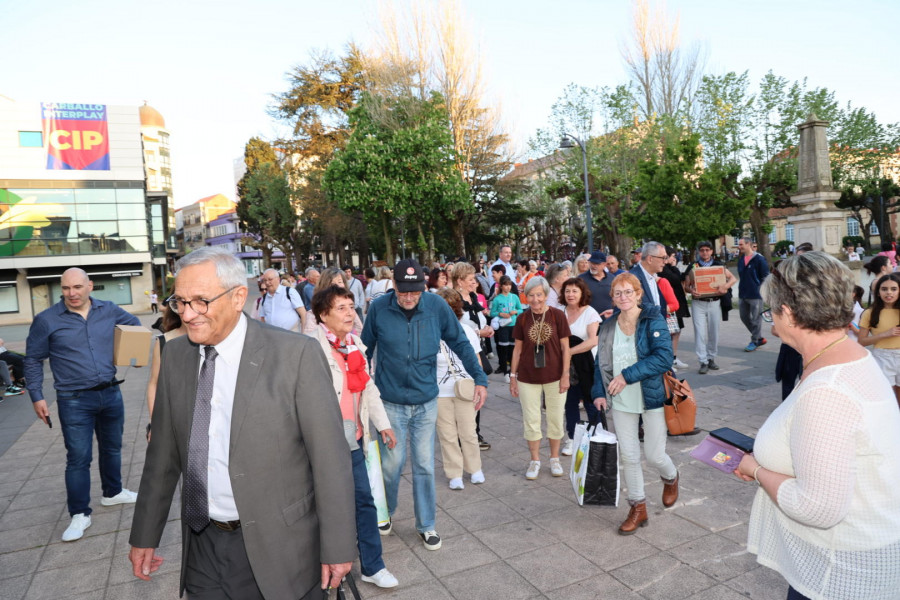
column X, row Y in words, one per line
column 818, row 221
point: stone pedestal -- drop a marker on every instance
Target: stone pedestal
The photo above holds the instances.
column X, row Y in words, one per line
column 819, row 222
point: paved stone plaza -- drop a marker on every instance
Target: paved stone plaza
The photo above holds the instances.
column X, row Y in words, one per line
column 508, row 538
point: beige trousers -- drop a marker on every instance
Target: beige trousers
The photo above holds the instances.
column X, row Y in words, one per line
column 530, row 398
column 455, row 427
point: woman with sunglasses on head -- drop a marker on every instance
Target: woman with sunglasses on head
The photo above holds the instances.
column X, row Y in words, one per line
column 635, row 349
column 879, row 326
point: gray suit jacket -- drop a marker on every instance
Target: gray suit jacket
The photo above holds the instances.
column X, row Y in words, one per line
column 290, row 466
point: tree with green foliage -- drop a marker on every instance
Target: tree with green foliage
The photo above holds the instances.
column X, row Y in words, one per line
column 256, row 153
column 398, row 163
column 266, row 209
column 321, row 92
column 677, row 201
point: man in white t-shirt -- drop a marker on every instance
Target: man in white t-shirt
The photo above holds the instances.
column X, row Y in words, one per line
column 505, row 258
column 281, row 306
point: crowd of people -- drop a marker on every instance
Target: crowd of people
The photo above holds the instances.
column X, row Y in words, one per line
column 408, row 350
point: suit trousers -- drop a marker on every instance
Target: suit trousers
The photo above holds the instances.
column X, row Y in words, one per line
column 707, row 317
column 218, row 567
column 456, row 433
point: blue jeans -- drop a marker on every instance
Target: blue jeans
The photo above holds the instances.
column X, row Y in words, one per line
column 574, row 397
column 368, row 539
column 416, row 423
column 80, row 415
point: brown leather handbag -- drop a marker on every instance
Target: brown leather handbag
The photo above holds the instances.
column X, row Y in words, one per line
column 680, row 406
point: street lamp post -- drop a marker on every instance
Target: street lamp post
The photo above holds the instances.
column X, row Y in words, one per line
column 566, row 143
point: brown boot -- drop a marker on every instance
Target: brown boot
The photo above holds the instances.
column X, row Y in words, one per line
column 670, row 492
column 637, row 517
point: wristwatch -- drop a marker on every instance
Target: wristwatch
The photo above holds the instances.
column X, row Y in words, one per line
column 513, row 375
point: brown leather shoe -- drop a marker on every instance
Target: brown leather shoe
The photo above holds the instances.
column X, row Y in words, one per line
column 670, row 492
column 637, row 517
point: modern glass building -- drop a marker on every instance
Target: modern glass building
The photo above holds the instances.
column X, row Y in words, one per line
column 72, row 193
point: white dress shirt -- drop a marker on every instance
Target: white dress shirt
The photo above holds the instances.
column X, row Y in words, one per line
column 654, row 288
column 218, row 488
column 280, row 310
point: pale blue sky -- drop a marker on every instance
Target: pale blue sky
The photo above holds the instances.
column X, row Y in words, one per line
column 210, row 66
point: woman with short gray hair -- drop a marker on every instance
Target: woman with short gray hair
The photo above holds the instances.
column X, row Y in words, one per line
column 825, row 515
column 540, row 365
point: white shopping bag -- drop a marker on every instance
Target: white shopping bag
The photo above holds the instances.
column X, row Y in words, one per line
column 376, row 482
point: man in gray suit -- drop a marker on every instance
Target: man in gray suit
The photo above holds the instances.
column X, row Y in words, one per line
column 255, row 429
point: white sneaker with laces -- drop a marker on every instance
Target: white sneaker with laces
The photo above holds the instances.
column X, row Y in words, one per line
column 478, row 477
column 567, row 448
column 382, row 579
column 680, row 364
column 76, row 528
column 123, row 497
column 534, row 467
column 555, row 468
column 457, row 483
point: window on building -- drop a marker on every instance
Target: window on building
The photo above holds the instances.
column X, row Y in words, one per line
column 789, row 232
column 772, row 237
column 873, row 229
column 9, row 299
column 852, row 226
column 31, row 139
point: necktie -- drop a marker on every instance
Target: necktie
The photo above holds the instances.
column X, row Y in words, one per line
column 197, row 505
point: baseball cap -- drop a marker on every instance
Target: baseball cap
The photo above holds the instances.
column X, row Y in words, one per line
column 597, row 257
column 409, row 276
column 704, row 244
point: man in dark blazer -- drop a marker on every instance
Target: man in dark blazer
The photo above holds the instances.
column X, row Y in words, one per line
column 277, row 506
column 653, row 259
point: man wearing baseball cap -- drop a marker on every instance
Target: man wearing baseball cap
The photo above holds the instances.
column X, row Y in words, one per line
column 406, row 327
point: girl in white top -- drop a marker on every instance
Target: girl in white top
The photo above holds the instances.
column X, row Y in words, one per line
column 826, row 515
column 584, row 322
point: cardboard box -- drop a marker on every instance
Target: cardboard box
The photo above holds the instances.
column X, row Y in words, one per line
column 707, row 279
column 131, row 346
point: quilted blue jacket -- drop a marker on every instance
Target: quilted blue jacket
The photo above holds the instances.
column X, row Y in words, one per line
column 654, row 351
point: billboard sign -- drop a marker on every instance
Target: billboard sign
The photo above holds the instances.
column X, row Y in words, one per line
column 76, row 136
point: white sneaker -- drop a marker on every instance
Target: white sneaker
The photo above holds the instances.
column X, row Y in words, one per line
column 123, row 497
column 534, row 467
column 555, row 468
column 490, row 355
column 76, row 528
column 478, row 477
column 382, row 579
column 567, row 448
column 680, row 364
column 507, row 377
column 457, row 483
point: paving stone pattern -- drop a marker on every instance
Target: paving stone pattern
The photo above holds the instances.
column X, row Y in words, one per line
column 508, row 538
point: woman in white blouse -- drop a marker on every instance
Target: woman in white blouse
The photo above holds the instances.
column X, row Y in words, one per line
column 827, row 460
column 584, row 322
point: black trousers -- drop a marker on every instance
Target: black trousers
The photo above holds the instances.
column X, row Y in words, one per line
column 218, row 567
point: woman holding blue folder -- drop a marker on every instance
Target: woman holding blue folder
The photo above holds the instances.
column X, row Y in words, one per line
column 826, row 459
